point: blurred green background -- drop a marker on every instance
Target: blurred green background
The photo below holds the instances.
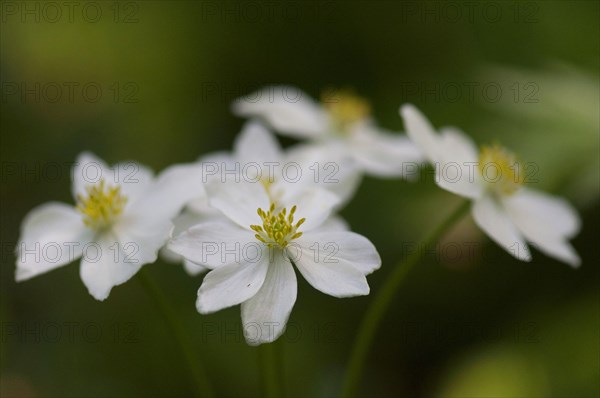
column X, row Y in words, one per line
column 153, row 81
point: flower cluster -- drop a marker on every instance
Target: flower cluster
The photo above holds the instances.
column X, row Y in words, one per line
column 241, row 217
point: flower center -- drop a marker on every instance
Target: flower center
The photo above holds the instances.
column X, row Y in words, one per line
column 278, row 227
column 102, row 205
column 345, row 108
column 500, row 169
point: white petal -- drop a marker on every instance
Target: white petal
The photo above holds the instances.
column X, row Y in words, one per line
column 181, row 223
column 174, row 188
column 420, row 131
column 457, row 146
column 105, row 265
column 89, row 170
column 343, row 247
column 256, row 144
column 146, row 226
column 327, row 165
column 383, row 154
column 334, row 224
column 546, row 212
column 52, row 235
column 546, row 221
column 459, row 179
column 185, row 220
column 169, row 256
column 314, row 204
column 201, row 207
column 556, row 247
column 142, row 236
column 265, row 315
column 287, row 109
column 457, row 170
column 193, row 269
column 316, row 262
column 495, row 222
column 216, row 243
column 231, row 284
column 239, row 201
column 215, row 165
column 134, row 179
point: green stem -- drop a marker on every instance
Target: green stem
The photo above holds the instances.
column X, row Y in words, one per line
column 194, row 365
column 381, row 302
column 271, row 369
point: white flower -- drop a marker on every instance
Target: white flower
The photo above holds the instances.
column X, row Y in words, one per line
column 493, row 178
column 340, row 129
column 257, row 156
column 121, row 219
column 266, row 229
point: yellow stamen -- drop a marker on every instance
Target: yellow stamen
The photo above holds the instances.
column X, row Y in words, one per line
column 345, row 108
column 500, row 169
column 278, row 227
column 102, row 204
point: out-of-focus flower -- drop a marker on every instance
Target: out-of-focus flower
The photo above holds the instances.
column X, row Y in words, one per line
column 121, row 219
column 265, row 229
column 340, row 128
column 492, row 177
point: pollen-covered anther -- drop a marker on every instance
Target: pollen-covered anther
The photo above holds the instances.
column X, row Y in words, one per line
column 101, row 205
column 500, row 169
column 278, row 227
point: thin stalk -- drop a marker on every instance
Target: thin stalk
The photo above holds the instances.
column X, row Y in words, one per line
column 382, row 301
column 270, row 357
column 192, row 358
